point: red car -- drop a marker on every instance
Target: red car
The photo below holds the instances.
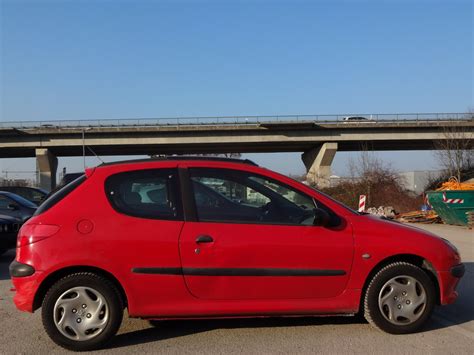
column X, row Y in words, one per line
column 210, row 238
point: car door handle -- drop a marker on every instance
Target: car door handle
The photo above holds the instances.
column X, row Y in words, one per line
column 204, row 239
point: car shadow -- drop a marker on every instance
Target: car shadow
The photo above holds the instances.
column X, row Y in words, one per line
column 178, row 328
column 462, row 311
column 5, row 261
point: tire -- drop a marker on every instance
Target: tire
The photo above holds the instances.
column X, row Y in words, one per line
column 399, row 299
column 82, row 311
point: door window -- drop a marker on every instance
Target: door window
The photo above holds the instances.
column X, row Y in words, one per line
column 145, row 193
column 4, row 202
column 224, row 195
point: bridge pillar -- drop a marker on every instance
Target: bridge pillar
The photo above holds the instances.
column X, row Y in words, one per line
column 318, row 162
column 47, row 165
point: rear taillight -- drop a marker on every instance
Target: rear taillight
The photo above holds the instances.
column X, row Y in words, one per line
column 32, row 233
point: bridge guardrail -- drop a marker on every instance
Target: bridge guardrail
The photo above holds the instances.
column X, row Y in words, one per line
column 233, row 120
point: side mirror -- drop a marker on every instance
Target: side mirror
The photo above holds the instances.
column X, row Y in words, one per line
column 12, row 207
column 321, row 217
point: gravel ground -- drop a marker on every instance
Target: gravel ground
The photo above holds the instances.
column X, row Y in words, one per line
column 451, row 330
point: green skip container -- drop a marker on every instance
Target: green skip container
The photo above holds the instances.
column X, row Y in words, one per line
column 452, row 205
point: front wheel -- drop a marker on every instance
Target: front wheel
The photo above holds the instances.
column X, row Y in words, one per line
column 399, row 299
column 82, row 311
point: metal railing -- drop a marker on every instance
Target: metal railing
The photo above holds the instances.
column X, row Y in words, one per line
column 236, row 120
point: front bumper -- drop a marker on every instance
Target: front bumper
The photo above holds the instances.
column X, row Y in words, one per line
column 458, row 271
column 448, row 281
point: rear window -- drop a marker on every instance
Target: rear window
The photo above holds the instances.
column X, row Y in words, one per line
column 59, row 195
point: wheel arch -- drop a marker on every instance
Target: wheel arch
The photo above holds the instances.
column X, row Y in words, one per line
column 413, row 259
column 60, row 273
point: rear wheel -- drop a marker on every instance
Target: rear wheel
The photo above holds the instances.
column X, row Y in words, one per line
column 399, row 299
column 82, row 311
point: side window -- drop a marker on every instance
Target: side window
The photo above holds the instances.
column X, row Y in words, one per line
column 291, row 195
column 145, row 193
column 224, row 195
column 4, row 202
column 36, row 196
column 221, row 191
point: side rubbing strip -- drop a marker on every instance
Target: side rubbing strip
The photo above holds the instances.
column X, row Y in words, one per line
column 158, row 270
column 237, row 272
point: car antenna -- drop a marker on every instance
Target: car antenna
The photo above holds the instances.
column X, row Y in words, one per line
column 103, row 162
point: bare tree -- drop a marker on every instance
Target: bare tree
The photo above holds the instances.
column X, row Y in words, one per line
column 376, row 179
column 455, row 151
column 370, row 175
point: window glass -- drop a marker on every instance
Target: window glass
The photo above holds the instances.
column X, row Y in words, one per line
column 145, row 193
column 4, row 202
column 226, row 190
column 224, row 195
column 35, row 196
column 22, row 201
column 291, row 195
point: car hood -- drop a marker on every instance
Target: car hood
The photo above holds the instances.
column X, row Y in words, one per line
column 397, row 229
column 410, row 228
column 8, row 219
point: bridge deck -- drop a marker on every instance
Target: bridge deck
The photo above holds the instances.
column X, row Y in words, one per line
column 65, row 138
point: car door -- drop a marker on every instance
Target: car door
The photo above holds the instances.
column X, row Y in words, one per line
column 253, row 238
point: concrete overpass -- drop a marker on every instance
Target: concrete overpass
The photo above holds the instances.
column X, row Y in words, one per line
column 317, row 137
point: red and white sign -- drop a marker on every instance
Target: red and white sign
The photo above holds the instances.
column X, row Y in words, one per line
column 451, row 200
column 362, row 199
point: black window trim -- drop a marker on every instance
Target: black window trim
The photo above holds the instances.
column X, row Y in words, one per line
column 177, row 198
column 187, row 197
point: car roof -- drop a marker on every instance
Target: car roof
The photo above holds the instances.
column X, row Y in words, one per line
column 182, row 158
column 22, row 187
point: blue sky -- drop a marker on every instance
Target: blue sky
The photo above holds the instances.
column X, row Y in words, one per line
column 120, row 59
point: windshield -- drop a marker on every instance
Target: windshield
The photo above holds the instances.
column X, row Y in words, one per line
column 334, row 200
column 330, row 198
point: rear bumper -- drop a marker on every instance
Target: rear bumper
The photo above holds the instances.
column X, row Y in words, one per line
column 448, row 281
column 26, row 282
column 20, row 270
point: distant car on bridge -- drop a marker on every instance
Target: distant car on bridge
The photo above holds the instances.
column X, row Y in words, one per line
column 357, row 119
